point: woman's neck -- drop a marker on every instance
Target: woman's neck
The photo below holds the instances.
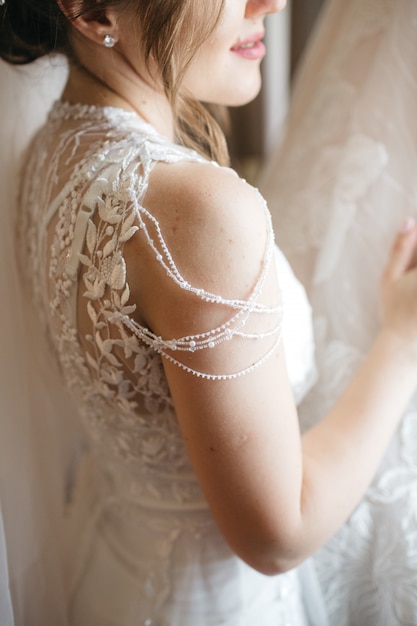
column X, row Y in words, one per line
column 123, row 89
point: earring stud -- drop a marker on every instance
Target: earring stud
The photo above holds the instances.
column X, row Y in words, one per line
column 108, row 40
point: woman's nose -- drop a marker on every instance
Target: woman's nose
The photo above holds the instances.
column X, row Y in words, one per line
column 256, row 8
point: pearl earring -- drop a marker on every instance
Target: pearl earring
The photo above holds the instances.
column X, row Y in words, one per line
column 108, row 40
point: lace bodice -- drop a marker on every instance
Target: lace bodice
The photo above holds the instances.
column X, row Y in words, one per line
column 74, row 234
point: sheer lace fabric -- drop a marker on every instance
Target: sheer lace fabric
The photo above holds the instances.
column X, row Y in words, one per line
column 339, row 189
column 150, row 552
column 117, row 365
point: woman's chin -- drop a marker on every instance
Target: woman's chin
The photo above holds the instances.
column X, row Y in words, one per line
column 243, row 95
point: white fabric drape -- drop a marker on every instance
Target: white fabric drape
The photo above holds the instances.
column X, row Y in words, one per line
column 350, row 136
column 35, row 455
column 276, row 78
column 339, row 188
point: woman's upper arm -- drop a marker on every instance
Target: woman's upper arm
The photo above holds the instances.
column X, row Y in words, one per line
column 241, row 431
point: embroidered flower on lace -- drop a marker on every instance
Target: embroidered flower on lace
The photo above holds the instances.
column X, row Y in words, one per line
column 116, row 372
column 361, row 557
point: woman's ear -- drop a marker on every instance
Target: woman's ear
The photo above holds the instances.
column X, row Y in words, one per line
column 98, row 25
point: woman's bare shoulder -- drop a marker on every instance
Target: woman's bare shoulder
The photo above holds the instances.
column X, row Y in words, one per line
column 215, row 224
column 216, row 231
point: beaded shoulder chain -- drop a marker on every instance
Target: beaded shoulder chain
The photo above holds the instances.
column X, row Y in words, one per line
column 234, row 327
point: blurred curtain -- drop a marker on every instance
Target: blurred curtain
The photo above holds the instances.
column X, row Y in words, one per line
column 303, row 17
column 256, row 128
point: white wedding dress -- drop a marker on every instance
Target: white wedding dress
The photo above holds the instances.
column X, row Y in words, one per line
column 339, row 189
column 142, row 548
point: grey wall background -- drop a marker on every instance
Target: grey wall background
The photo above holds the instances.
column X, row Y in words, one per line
column 303, row 16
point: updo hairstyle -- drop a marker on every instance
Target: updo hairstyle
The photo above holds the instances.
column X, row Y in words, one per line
column 171, row 32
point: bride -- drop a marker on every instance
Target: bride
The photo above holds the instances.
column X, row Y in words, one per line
column 152, row 304
column 338, row 187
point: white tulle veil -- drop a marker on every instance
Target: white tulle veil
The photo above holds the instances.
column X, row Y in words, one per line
column 339, row 188
column 345, row 176
column 36, row 437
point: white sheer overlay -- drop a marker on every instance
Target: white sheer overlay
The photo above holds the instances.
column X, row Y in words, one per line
column 339, row 188
column 33, row 465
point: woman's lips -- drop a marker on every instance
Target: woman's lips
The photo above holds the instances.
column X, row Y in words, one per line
column 251, row 48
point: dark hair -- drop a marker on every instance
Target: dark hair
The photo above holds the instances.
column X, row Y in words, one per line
column 171, row 32
column 29, row 30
